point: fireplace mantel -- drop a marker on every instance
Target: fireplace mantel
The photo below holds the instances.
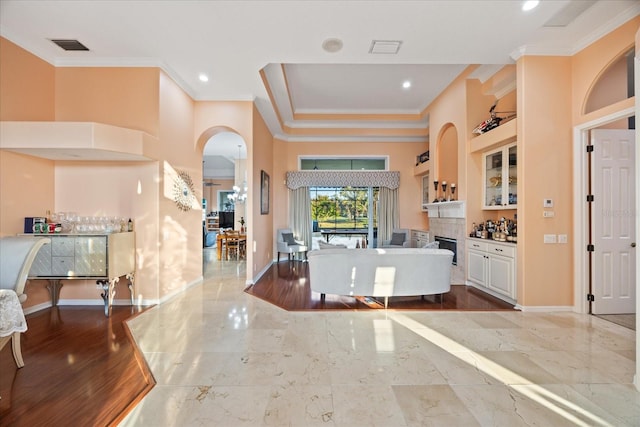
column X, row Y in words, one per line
column 452, row 209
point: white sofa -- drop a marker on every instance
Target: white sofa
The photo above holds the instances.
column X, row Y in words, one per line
column 380, row 272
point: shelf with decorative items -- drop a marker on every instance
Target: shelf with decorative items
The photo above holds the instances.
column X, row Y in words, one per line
column 445, row 205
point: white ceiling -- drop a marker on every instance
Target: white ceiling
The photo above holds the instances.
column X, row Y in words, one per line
column 271, row 51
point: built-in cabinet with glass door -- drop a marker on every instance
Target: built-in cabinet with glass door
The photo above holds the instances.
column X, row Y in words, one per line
column 500, row 178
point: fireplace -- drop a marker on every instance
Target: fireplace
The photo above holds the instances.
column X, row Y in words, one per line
column 451, row 244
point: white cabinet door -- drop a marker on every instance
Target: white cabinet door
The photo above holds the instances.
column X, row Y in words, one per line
column 500, row 174
column 477, row 267
column 91, row 256
column 500, row 275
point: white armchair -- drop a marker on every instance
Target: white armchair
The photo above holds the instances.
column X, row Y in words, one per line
column 16, row 257
column 286, row 244
column 400, row 238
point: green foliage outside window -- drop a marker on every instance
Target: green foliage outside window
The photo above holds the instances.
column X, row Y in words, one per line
column 342, row 207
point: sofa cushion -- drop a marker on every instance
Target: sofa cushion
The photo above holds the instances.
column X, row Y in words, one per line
column 288, row 239
column 325, row 245
column 432, row 245
column 397, row 239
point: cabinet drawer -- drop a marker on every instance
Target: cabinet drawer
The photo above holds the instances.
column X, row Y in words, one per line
column 62, row 266
column 42, row 263
column 62, row 246
column 476, row 245
column 501, row 250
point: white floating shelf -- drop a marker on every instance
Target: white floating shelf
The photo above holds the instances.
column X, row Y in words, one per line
column 452, row 209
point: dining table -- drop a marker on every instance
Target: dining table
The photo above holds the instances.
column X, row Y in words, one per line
column 221, row 241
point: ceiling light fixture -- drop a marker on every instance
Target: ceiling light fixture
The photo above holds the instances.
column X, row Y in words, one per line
column 239, row 194
column 332, row 45
column 203, row 77
column 406, row 84
column 529, row 5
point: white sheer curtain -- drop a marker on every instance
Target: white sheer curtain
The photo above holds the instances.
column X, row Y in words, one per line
column 300, row 214
column 387, row 213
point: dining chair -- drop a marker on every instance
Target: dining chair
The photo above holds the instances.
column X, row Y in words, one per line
column 232, row 244
column 16, row 257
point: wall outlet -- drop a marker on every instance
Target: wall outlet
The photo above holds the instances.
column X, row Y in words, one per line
column 562, row 238
column 548, row 214
column 550, row 238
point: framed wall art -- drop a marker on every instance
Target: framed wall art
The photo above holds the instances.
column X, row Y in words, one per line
column 264, row 193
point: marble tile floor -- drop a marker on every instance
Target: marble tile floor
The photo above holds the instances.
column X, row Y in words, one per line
column 224, row 358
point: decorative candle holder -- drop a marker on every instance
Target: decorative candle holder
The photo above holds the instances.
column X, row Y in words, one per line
column 453, row 191
column 435, row 186
column 444, row 191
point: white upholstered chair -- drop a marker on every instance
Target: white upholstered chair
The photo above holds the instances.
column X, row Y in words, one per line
column 400, row 238
column 286, row 244
column 16, row 257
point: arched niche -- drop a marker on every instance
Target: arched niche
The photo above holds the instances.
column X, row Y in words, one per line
column 613, row 84
column 447, row 154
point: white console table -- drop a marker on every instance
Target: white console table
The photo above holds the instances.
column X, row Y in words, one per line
column 103, row 257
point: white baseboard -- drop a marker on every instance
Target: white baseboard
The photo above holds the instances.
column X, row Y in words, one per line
column 259, row 275
column 545, row 308
column 37, row 307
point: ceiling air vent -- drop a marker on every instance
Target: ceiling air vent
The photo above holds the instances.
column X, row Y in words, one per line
column 390, row 47
column 69, row 44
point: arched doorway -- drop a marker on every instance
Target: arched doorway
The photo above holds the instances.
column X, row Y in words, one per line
column 224, row 187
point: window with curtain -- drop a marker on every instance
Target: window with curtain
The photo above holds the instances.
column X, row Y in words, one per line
column 344, row 207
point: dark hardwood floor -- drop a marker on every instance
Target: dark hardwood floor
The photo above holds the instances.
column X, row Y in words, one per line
column 81, row 369
column 286, row 284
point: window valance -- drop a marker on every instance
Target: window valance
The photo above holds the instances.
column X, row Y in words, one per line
column 318, row 178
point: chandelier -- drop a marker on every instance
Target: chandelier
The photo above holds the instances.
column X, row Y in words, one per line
column 239, row 195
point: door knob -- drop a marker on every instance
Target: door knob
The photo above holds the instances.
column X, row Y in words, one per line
column 633, row 245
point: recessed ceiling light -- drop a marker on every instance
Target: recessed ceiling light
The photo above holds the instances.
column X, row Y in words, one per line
column 406, row 84
column 530, row 4
column 203, row 77
column 332, row 45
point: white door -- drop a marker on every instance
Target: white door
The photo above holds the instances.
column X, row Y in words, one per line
column 613, row 221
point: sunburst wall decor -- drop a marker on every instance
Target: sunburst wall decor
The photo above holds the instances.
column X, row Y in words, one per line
column 183, row 191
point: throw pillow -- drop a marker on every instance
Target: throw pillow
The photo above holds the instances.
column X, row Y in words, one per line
column 288, row 239
column 432, row 245
column 397, row 239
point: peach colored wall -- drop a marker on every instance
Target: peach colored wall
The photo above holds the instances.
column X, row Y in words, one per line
column 27, row 188
column 123, row 189
column 611, row 86
column 180, row 233
column 544, row 271
column 590, row 62
column 402, row 157
column 126, row 97
column 448, row 157
column 262, row 225
column 26, row 85
column 27, row 184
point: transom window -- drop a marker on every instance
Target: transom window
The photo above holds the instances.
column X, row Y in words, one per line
column 336, row 163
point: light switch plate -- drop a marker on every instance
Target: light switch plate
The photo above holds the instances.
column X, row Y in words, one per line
column 548, row 214
column 562, row 238
column 550, row 238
